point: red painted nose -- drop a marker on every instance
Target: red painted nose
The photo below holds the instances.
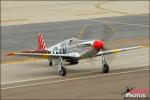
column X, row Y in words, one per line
column 98, row 44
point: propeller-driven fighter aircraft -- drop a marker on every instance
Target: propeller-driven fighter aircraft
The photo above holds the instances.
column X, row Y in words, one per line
column 71, row 50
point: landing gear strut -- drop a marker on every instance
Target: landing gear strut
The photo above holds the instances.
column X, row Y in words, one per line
column 105, row 66
column 50, row 63
column 61, row 68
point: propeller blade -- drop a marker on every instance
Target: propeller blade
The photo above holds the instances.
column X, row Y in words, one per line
column 107, row 32
column 85, row 32
column 109, row 57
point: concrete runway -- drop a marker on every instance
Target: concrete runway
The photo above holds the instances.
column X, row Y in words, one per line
column 36, row 80
column 89, row 87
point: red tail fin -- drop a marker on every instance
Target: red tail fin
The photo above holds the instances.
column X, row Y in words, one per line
column 41, row 43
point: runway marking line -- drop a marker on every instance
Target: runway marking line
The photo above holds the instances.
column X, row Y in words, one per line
column 99, row 6
column 21, row 61
column 72, row 79
column 45, row 78
column 147, row 26
column 95, row 13
column 13, row 20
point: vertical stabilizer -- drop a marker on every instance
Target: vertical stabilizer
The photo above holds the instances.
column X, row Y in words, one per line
column 41, row 43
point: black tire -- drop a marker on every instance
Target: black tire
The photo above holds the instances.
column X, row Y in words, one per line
column 50, row 63
column 105, row 68
column 63, row 71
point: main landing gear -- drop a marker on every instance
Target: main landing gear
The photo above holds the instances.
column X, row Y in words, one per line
column 62, row 71
column 50, row 63
column 105, row 66
column 61, row 68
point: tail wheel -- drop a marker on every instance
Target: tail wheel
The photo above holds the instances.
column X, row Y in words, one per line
column 50, row 63
column 63, row 71
column 105, row 68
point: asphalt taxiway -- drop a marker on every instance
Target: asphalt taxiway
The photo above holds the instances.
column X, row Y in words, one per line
column 24, row 37
column 36, row 80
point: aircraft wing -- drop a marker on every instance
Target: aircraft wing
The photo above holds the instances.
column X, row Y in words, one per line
column 47, row 56
column 117, row 50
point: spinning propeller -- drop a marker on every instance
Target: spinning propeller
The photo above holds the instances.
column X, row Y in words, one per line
column 106, row 33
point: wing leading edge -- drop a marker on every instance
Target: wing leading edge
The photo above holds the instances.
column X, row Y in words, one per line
column 47, row 56
column 117, row 50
